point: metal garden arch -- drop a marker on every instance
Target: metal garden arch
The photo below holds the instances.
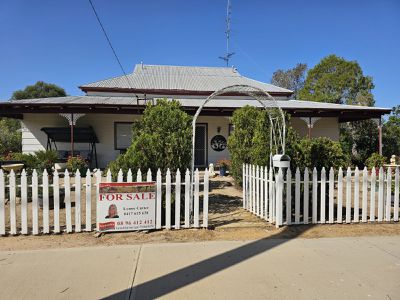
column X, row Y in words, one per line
column 277, row 121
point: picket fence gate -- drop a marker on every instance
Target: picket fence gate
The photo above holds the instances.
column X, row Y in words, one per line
column 10, row 185
column 337, row 197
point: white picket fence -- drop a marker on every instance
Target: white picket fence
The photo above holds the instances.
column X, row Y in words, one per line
column 342, row 197
column 79, row 192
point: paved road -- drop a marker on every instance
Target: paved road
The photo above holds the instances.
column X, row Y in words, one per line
column 334, row 268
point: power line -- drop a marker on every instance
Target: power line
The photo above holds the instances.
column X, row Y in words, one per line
column 111, row 46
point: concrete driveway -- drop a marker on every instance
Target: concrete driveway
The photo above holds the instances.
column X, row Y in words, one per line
column 331, row 268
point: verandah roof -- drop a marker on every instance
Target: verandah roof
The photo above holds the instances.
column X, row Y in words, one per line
column 217, row 107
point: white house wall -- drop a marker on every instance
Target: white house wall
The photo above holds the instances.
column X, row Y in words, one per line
column 33, row 139
column 327, row 127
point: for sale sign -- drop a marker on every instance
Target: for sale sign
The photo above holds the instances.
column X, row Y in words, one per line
column 126, row 206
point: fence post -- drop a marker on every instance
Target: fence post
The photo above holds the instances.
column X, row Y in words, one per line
column 288, row 197
column 196, row 198
column 98, row 181
column 297, row 197
column 253, row 198
column 266, row 197
column 356, row 217
column 205, row 199
column 2, row 204
column 88, row 182
column 396, row 195
column 178, row 200
column 168, row 200
column 159, row 200
column 388, row 195
column 13, row 218
column 139, row 176
column 67, row 185
column 244, row 185
column 306, row 196
column 271, row 197
column 373, row 188
column 340, row 196
column 120, row 177
column 129, row 176
column 331, row 195
column 323, row 191
column 261, row 190
column 364, row 209
column 24, row 203
column 35, row 212
column 348, row 195
column 78, row 221
column 315, row 196
column 149, row 176
column 56, row 196
column 257, row 210
column 45, row 199
column 381, row 194
column 187, row 199
column 279, row 198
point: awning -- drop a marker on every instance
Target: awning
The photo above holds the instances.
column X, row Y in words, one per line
column 63, row 134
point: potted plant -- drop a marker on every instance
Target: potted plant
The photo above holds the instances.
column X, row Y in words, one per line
column 75, row 163
column 223, row 165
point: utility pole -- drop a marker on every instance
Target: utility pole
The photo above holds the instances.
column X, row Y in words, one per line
column 228, row 54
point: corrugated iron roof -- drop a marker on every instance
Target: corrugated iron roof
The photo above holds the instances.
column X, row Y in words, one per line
column 217, row 103
column 183, row 78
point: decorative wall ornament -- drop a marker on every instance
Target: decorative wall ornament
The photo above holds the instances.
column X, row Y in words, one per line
column 218, row 143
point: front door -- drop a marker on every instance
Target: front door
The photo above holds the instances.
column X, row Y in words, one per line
column 200, row 148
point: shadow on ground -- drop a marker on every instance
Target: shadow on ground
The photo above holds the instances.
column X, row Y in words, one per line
column 168, row 283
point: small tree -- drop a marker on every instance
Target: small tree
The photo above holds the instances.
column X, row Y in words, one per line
column 161, row 140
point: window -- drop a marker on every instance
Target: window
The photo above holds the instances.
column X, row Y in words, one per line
column 122, row 135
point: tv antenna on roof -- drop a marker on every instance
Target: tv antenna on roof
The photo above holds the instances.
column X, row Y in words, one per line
column 228, row 54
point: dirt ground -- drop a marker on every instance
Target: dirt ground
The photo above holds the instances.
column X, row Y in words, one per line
column 227, row 220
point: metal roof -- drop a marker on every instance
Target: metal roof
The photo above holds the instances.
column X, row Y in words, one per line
column 181, row 78
column 215, row 103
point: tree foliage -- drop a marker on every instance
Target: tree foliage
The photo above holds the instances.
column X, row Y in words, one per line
column 39, row 90
column 391, row 134
column 10, row 136
column 292, row 79
column 336, row 80
column 161, row 139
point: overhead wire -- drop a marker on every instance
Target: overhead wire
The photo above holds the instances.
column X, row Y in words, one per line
column 111, row 46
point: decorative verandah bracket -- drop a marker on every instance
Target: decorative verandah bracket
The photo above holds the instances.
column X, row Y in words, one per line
column 310, row 121
column 72, row 119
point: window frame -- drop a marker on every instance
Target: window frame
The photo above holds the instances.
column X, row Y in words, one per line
column 115, row 135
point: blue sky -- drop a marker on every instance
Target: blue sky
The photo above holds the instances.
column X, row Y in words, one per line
column 61, row 42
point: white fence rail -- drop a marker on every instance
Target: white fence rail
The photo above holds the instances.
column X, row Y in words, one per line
column 320, row 197
column 42, row 204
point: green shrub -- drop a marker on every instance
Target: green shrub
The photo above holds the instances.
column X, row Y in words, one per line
column 10, row 137
column 240, row 142
column 162, row 139
column 375, row 160
column 318, row 152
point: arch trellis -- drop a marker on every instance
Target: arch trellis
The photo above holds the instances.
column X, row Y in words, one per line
column 277, row 120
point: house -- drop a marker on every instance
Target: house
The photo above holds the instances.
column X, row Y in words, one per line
column 103, row 116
